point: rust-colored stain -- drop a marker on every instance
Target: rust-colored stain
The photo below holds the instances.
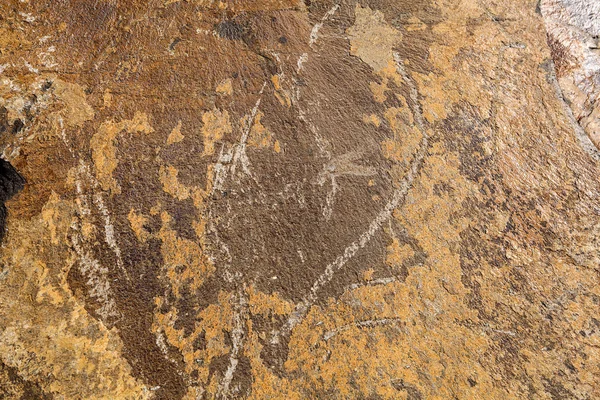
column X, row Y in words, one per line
column 283, row 199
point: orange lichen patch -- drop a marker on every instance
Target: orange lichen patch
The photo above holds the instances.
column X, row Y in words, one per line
column 46, row 333
column 104, row 152
column 175, row 136
column 225, row 87
column 379, row 90
column 441, row 92
column 397, row 254
column 263, row 304
column 260, row 136
column 216, row 319
column 407, row 135
column 49, row 215
column 184, row 261
column 428, row 218
column 435, row 358
column 12, row 39
column 107, row 98
column 213, row 322
column 434, row 102
column 137, row 222
column 440, row 167
column 372, row 119
column 170, row 183
column 328, row 358
column 276, row 80
column 282, row 95
column 187, row 267
column 368, row 274
column 216, row 125
column 267, row 385
column 77, row 109
column 88, row 230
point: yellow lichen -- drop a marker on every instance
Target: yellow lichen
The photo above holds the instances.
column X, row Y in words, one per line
column 216, row 125
column 47, row 334
column 104, row 151
column 170, row 183
column 373, row 39
column 260, row 136
column 225, row 87
column 137, row 222
column 372, row 119
column 77, row 108
column 175, row 136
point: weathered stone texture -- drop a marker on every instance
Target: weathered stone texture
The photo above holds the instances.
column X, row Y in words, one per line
column 286, row 199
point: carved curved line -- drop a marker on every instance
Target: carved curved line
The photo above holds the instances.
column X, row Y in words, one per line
column 301, row 309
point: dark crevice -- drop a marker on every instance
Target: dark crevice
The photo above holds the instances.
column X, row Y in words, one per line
column 11, row 182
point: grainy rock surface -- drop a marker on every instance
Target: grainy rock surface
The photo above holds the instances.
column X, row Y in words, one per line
column 286, row 199
column 574, row 38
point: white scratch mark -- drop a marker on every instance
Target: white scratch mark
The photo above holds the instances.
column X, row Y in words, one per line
column 322, row 143
column 109, row 233
column 221, row 169
column 339, row 166
column 301, row 256
column 31, row 68
column 239, row 153
column 373, row 282
column 27, row 17
column 413, row 93
column 350, row 251
column 97, row 278
column 281, row 71
column 330, row 199
column 301, row 60
column 314, row 33
column 109, row 230
column 207, row 32
column 228, row 161
column 237, row 337
column 47, row 60
column 162, row 345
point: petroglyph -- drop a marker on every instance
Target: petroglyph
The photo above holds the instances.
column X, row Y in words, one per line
column 298, row 199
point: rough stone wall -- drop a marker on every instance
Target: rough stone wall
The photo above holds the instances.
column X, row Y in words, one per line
column 574, row 39
column 372, row 199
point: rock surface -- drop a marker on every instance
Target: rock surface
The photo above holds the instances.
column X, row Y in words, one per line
column 286, row 199
column 574, row 38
